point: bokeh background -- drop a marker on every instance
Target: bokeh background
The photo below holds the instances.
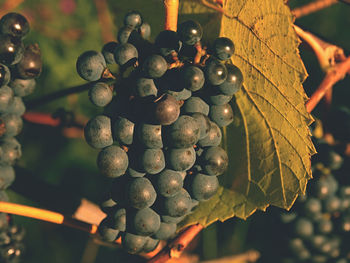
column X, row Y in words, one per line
column 66, row 28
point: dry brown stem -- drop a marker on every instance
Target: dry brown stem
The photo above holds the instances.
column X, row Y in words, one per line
column 312, row 7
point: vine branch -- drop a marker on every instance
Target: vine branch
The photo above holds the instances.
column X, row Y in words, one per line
column 312, row 7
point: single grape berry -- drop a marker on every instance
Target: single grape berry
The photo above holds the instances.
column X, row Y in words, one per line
column 145, row 87
column 31, row 64
column 100, row 94
column 192, row 78
column 17, row 106
column 11, row 151
column 152, row 161
column 214, row 160
column 151, row 244
column 190, row 32
column 195, row 104
column 166, row 231
column 181, row 159
column 119, row 219
column 112, row 161
column 5, row 75
column 166, row 110
column 168, row 182
column 91, row 65
column 203, row 187
column 180, row 95
column 178, row 205
column 11, row 50
column 12, row 124
column 22, row 87
column 108, row 52
column 203, row 124
column 123, row 130
column 215, row 72
column 144, row 222
column 124, row 34
column 106, row 230
column 7, row 176
column 133, row 19
column 125, row 54
column 222, row 115
column 133, row 244
column 145, row 30
column 150, row 135
column 154, row 66
column 14, row 24
column 6, row 98
column 223, row 48
column 140, row 193
column 98, row 133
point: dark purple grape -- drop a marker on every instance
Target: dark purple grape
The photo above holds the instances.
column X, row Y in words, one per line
column 112, row 161
column 154, row 66
column 7, row 176
column 144, row 222
column 152, row 161
column 195, row 104
column 11, row 50
column 215, row 72
column 233, row 82
column 123, row 130
column 222, row 115
column 5, row 75
column 166, row 231
column 145, row 31
column 22, row 87
column 168, row 42
column 6, row 98
column 214, row 160
column 140, row 193
column 181, row 159
column 203, row 187
column 108, row 52
column 217, row 98
column 14, row 24
column 183, row 133
column 100, row 94
column 180, row 95
column 17, row 106
column 98, row 133
column 106, row 230
column 31, row 64
column 11, row 151
column 124, row 34
column 192, row 78
column 133, row 19
column 125, row 54
column 178, row 205
column 168, row 182
column 91, row 65
column 150, row 135
column 190, row 32
column 12, row 124
column 151, row 244
column 119, row 219
column 171, row 219
column 223, row 48
column 133, row 244
column 167, row 110
column 203, row 124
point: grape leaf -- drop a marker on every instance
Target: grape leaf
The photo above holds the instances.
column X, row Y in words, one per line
column 190, row 7
column 269, row 143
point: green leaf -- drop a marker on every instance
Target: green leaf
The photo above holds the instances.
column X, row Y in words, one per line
column 269, row 142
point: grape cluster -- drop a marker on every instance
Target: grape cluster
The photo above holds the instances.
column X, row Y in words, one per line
column 319, row 223
column 160, row 134
column 19, row 65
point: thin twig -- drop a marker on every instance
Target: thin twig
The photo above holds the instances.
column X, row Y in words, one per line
column 312, row 7
column 332, row 77
column 57, row 95
column 46, row 215
column 176, row 247
column 327, row 54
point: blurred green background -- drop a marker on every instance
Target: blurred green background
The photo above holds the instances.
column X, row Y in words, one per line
column 66, row 28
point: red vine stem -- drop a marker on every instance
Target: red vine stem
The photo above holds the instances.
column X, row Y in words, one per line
column 332, row 77
column 41, row 118
column 176, row 247
column 312, row 7
column 171, row 14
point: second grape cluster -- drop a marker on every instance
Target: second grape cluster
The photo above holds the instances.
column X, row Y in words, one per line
column 159, row 133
